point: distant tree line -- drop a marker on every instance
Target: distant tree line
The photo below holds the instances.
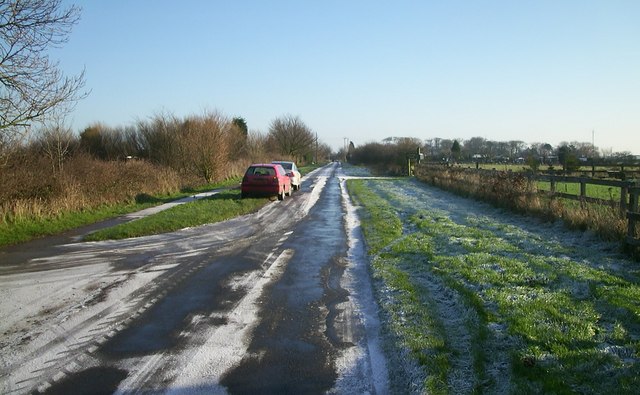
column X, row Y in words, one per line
column 514, row 150
column 390, row 155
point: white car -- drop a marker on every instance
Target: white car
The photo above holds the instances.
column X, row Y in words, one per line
column 292, row 172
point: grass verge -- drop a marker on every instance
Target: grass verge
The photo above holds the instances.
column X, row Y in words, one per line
column 409, row 318
column 535, row 315
column 30, row 228
column 219, row 207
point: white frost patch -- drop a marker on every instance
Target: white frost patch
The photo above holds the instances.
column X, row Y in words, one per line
column 226, row 345
column 45, row 316
column 361, row 368
column 314, row 195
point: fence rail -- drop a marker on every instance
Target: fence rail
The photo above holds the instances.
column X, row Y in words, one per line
column 629, row 192
column 624, row 186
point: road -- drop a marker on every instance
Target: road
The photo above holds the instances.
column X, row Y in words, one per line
column 274, row 302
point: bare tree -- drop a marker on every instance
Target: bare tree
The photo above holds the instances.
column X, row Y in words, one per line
column 205, row 139
column 324, row 152
column 57, row 142
column 291, row 136
column 31, row 85
column 256, row 147
column 476, row 146
column 158, row 139
column 515, row 146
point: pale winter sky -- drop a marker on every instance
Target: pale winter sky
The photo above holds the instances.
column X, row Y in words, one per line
column 536, row 71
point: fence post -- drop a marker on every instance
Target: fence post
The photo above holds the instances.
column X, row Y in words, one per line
column 624, row 196
column 633, row 209
column 583, row 188
column 553, row 185
column 633, row 199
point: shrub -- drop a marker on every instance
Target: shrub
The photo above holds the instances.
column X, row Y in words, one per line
column 34, row 191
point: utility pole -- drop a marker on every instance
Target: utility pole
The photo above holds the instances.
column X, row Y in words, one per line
column 346, row 147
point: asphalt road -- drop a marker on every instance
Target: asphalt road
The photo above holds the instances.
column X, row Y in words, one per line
column 257, row 304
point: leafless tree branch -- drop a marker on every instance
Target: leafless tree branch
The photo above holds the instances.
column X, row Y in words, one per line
column 32, row 86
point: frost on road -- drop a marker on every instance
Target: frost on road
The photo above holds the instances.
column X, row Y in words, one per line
column 263, row 302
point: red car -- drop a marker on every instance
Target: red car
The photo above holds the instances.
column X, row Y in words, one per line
column 266, row 179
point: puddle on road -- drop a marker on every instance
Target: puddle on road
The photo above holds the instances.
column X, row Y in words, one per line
column 98, row 380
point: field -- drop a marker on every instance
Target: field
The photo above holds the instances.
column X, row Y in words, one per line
column 595, row 191
column 486, row 301
column 525, row 167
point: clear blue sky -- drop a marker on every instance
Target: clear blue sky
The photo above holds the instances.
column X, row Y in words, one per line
column 536, row 71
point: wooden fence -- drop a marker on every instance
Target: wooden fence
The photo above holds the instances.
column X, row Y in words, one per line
column 624, row 187
column 627, row 203
column 629, row 192
column 633, row 217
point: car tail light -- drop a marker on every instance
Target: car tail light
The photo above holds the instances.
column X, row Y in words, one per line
column 275, row 180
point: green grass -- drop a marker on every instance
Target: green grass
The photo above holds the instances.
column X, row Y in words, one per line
column 411, row 318
column 382, row 223
column 25, row 230
column 497, row 166
column 306, row 169
column 571, row 324
column 14, row 233
column 595, row 191
column 219, row 207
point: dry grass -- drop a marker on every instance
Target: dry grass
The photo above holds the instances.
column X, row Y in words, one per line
column 32, row 190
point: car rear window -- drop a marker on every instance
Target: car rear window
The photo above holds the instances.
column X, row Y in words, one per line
column 261, row 171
